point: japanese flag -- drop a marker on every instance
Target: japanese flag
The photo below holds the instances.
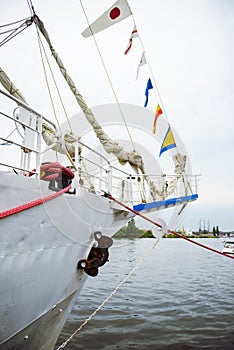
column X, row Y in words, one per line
column 116, row 13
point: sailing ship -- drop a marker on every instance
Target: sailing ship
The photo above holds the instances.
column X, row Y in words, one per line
column 59, row 182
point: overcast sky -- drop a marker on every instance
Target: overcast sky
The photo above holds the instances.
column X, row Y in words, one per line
column 189, row 45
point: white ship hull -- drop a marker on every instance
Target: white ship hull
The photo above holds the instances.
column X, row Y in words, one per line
column 39, row 251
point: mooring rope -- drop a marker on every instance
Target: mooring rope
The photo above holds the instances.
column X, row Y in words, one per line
column 170, row 231
column 34, row 203
column 62, row 346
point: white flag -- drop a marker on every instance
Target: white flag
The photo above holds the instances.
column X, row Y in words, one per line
column 116, row 13
column 134, row 34
column 141, row 63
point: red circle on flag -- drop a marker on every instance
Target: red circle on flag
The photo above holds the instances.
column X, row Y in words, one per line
column 115, row 12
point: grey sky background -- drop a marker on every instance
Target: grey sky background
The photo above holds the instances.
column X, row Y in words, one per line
column 190, row 48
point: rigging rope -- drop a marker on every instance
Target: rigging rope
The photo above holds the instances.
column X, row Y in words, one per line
column 15, row 31
column 42, row 50
column 109, row 297
column 46, row 79
column 112, row 87
column 133, row 157
column 148, row 64
column 41, row 46
column 151, row 72
column 152, row 75
column 108, row 76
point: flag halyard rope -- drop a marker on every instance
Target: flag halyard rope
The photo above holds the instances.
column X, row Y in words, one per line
column 108, row 76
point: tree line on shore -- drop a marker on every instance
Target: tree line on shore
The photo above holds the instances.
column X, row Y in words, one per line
column 132, row 231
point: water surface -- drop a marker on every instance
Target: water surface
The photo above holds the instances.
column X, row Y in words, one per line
column 180, row 297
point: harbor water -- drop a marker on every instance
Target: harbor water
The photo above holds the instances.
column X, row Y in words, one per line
column 180, row 297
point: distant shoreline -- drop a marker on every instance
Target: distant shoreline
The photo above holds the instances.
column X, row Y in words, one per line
column 132, row 231
column 165, row 236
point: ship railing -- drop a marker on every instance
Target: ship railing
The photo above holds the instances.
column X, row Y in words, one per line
column 94, row 171
column 23, row 127
column 98, row 174
column 145, row 188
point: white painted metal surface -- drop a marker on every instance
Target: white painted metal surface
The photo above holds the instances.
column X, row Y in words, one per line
column 40, row 248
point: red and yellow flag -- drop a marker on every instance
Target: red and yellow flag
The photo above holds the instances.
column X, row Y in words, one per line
column 158, row 112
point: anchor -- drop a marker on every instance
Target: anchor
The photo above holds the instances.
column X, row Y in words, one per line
column 98, row 256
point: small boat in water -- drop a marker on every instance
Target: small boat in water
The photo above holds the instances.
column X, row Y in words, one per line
column 56, row 213
column 229, row 246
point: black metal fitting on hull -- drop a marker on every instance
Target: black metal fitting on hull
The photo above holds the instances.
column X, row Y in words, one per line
column 98, row 256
